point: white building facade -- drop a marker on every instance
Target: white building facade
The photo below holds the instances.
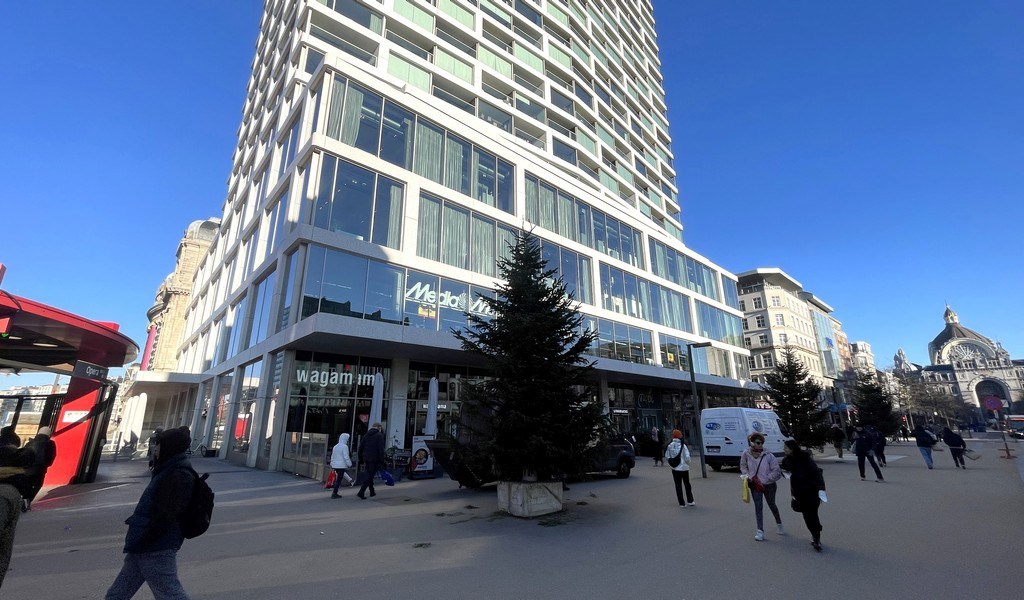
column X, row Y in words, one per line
column 388, row 153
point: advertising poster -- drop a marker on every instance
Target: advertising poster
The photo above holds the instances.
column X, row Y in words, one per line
column 422, row 460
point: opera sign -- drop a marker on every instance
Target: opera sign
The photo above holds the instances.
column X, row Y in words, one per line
column 84, row 370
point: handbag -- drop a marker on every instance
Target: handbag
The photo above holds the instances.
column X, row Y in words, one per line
column 331, row 478
column 744, row 491
column 387, row 478
column 754, row 482
column 674, row 461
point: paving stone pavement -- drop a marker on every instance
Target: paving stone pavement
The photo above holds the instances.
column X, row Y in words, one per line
column 942, row 533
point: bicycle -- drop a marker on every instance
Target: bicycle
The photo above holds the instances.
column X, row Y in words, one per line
column 201, row 449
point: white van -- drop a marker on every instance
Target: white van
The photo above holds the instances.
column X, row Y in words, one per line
column 726, row 429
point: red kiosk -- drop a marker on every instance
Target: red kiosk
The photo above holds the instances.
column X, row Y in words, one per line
column 41, row 338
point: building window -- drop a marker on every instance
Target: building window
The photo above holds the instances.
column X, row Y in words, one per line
column 745, row 324
column 358, row 202
column 767, row 361
column 762, row 339
column 751, row 362
column 759, row 321
column 780, row 319
column 746, row 342
column 776, row 301
column 743, row 305
column 783, row 339
column 758, row 303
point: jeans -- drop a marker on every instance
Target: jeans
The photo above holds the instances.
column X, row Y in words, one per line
column 871, row 459
column 926, row 452
column 159, row 569
column 681, row 478
column 340, row 474
column 769, row 495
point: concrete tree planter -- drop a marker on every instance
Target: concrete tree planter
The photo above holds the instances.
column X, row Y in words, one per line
column 530, row 499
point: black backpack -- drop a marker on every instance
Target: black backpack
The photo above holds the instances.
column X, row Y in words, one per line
column 195, row 517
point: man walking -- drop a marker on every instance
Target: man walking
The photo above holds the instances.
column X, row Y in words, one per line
column 925, row 441
column 864, row 448
column 838, row 439
column 371, row 452
column 154, row 533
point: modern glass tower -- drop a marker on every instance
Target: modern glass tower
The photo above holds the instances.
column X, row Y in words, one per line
column 388, row 152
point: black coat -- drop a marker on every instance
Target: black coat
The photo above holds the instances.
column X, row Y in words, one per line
column 806, row 479
column 371, row 447
column 46, row 452
column 953, row 440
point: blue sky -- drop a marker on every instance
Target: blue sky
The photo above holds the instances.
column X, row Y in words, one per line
column 873, row 150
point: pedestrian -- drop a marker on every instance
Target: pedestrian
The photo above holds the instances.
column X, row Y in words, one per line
column 371, row 452
column 656, row 442
column 14, row 485
column 761, row 470
column 154, row 533
column 905, row 433
column 680, row 472
column 864, row 448
column 879, row 448
column 956, row 447
column 46, row 452
column 838, row 439
column 807, row 486
column 341, row 459
column 925, row 441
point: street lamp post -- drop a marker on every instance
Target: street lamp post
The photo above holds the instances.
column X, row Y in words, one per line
column 697, row 402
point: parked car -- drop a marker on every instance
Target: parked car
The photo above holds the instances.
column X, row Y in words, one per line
column 619, row 456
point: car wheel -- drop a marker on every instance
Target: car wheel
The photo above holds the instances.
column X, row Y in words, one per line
column 716, row 467
column 623, row 471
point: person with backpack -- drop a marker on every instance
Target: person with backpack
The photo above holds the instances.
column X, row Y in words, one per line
column 678, row 457
column 807, row 486
column 761, row 471
column 155, row 528
column 925, row 441
column 864, row 448
column 14, row 486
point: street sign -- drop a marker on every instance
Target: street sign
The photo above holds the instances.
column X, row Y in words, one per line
column 993, row 403
column 86, row 370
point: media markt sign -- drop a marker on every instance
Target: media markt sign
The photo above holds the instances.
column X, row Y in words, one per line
column 84, row 370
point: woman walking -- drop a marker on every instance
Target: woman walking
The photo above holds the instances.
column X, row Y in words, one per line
column 761, row 471
column 341, row 460
column 677, row 452
column 956, row 447
column 807, row 487
column 864, row 448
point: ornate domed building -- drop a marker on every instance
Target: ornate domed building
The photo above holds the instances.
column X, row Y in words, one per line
column 970, row 366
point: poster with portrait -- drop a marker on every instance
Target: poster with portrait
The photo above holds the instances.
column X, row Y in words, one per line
column 422, row 460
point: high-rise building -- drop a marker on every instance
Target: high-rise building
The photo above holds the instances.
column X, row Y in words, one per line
column 388, row 153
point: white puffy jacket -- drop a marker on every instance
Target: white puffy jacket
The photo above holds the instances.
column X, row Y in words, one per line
column 340, row 456
column 673, row 450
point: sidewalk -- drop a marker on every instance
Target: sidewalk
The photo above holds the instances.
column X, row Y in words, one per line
column 277, row 536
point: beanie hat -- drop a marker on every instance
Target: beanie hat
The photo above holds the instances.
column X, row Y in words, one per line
column 173, row 441
column 677, row 434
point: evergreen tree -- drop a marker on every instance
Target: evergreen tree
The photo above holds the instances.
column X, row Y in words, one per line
column 535, row 413
column 795, row 398
column 874, row 404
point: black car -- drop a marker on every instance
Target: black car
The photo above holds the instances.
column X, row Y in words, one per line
column 619, row 456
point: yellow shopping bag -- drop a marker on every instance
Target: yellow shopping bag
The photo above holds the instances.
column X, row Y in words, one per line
column 745, row 494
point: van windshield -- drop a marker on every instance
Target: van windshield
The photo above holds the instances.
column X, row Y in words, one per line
column 782, row 428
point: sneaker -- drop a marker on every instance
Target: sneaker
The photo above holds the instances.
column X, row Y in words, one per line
column 880, row 480
column 691, row 504
column 335, row 496
column 361, row 497
column 682, row 506
column 779, row 529
column 759, row 536
column 862, row 479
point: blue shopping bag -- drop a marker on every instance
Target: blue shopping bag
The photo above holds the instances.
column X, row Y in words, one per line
column 387, row 478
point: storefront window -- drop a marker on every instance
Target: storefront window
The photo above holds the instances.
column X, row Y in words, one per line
column 246, row 406
column 223, row 401
column 273, row 395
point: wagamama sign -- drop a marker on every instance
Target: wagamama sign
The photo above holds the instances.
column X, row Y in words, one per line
column 325, row 377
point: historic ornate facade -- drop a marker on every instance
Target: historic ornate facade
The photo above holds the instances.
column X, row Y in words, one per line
column 969, row 366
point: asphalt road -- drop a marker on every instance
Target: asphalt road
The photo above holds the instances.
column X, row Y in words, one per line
column 942, row 533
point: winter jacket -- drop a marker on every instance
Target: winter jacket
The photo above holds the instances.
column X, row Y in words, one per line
column 806, row 479
column 838, row 436
column 673, row 450
column 953, row 440
column 864, row 444
column 340, row 457
column 925, row 438
column 14, row 464
column 46, row 453
column 371, row 447
column 154, row 524
column 768, row 472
